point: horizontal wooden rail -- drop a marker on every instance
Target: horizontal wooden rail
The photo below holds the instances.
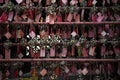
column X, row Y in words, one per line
column 64, row 23
column 60, row 59
column 27, row 44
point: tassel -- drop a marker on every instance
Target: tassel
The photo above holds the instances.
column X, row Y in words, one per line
column 77, row 19
column 64, row 52
column 52, row 52
column 37, row 18
column 79, row 51
column 103, row 50
column 57, row 71
column 69, row 17
column 27, row 3
column 89, row 2
column 84, row 52
column 10, row 15
column 16, row 74
column 38, row 15
column 94, row 17
column 82, row 14
column 73, row 69
column 73, row 52
column 3, row 17
column 59, row 18
column 92, row 51
column 42, row 52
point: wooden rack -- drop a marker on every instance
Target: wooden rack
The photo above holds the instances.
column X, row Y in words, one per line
column 60, row 59
column 64, row 23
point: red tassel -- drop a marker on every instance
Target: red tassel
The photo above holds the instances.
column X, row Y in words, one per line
column 3, row 17
column 31, row 14
column 59, row 18
column 89, row 2
column 16, row 73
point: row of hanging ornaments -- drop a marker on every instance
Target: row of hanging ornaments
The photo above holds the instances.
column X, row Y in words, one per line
column 56, row 41
column 59, row 13
column 61, row 71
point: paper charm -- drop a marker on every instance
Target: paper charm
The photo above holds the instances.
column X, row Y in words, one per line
column 64, row 1
column 43, row 72
column 84, row 71
column 7, row 54
column 53, row 1
column 64, row 52
column 73, row 34
column 52, row 52
column 8, row 35
column 66, row 69
column 20, row 55
column 42, row 52
column 19, row 1
column 32, row 34
column 94, row 2
column 20, row 73
column 79, row 71
column 103, row 33
column 7, row 73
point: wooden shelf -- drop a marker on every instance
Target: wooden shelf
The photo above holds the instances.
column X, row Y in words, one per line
column 60, row 59
column 63, row 23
